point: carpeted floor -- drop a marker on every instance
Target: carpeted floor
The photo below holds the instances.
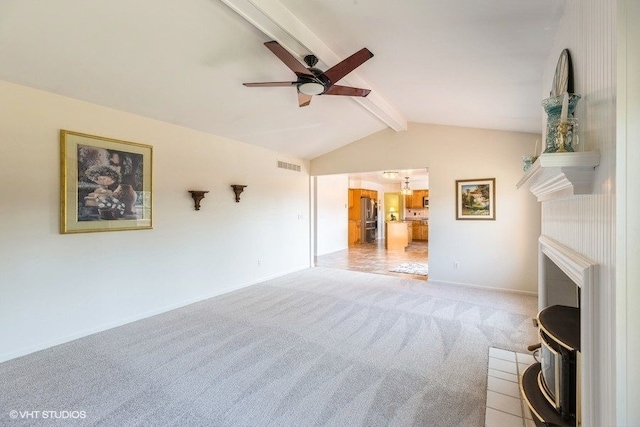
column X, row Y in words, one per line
column 320, row 347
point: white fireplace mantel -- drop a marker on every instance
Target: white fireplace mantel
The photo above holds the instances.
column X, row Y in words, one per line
column 557, row 175
column 584, row 273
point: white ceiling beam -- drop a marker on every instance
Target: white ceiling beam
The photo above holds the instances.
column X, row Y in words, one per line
column 278, row 23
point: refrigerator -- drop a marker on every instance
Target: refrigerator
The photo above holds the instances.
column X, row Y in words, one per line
column 368, row 220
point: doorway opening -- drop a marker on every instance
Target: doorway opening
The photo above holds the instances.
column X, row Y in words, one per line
column 380, row 228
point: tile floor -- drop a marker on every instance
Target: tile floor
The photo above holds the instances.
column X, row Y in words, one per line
column 505, row 407
column 374, row 258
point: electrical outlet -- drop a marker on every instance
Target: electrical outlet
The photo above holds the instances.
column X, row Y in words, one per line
column 456, row 265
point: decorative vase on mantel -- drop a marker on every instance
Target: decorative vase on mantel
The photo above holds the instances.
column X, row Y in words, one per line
column 553, row 108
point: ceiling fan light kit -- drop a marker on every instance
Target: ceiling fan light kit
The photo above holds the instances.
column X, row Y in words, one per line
column 310, row 88
column 313, row 81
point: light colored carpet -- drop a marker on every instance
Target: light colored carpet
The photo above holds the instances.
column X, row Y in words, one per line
column 319, row 347
column 411, row 268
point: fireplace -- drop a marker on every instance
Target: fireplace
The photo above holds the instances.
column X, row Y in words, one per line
column 550, row 387
column 555, row 387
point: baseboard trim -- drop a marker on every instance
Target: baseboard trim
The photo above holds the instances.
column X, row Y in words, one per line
column 105, row 327
column 487, row 288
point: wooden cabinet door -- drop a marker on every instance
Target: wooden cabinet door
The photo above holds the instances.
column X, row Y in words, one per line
column 420, row 231
column 354, row 210
column 353, row 235
column 415, row 200
column 408, row 202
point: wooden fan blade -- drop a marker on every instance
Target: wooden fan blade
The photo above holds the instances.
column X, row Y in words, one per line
column 338, row 71
column 269, row 84
column 303, row 100
column 347, row 91
column 288, row 59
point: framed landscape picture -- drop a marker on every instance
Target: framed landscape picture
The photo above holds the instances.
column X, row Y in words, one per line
column 105, row 184
column 476, row 198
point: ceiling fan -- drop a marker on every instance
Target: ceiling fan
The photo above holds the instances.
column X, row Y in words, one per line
column 312, row 81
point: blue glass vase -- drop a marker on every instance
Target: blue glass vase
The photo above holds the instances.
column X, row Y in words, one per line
column 553, row 108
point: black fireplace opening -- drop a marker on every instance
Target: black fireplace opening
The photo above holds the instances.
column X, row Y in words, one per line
column 550, row 387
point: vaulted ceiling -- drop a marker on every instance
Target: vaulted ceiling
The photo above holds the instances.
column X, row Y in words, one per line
column 456, row 62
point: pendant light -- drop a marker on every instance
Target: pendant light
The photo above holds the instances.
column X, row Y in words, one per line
column 406, row 191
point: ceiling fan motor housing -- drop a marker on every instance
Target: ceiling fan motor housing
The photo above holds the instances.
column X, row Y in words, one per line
column 311, row 60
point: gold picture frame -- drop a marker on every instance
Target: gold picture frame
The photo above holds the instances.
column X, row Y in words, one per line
column 476, row 199
column 105, row 184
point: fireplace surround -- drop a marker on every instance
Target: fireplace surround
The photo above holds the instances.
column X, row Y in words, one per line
column 567, row 279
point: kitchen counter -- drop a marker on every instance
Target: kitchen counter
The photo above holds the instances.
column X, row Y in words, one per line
column 421, row 221
column 396, row 234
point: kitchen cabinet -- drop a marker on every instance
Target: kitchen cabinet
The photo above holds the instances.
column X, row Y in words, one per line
column 354, row 233
column 354, row 208
column 420, row 231
column 354, row 212
column 415, row 228
column 416, row 200
column 373, row 194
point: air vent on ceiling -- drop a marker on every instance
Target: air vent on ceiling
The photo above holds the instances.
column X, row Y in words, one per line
column 288, row 166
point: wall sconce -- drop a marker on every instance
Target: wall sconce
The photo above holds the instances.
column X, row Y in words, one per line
column 238, row 189
column 197, row 196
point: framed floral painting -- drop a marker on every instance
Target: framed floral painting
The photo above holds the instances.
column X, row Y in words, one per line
column 476, row 198
column 105, row 184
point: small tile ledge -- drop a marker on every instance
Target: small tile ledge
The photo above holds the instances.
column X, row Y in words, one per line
column 559, row 175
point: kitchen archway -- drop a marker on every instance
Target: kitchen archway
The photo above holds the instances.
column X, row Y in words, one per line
column 400, row 239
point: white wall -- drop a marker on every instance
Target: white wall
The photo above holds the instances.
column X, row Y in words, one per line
column 56, row 287
column 332, row 213
column 587, row 223
column 497, row 254
column 627, row 208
